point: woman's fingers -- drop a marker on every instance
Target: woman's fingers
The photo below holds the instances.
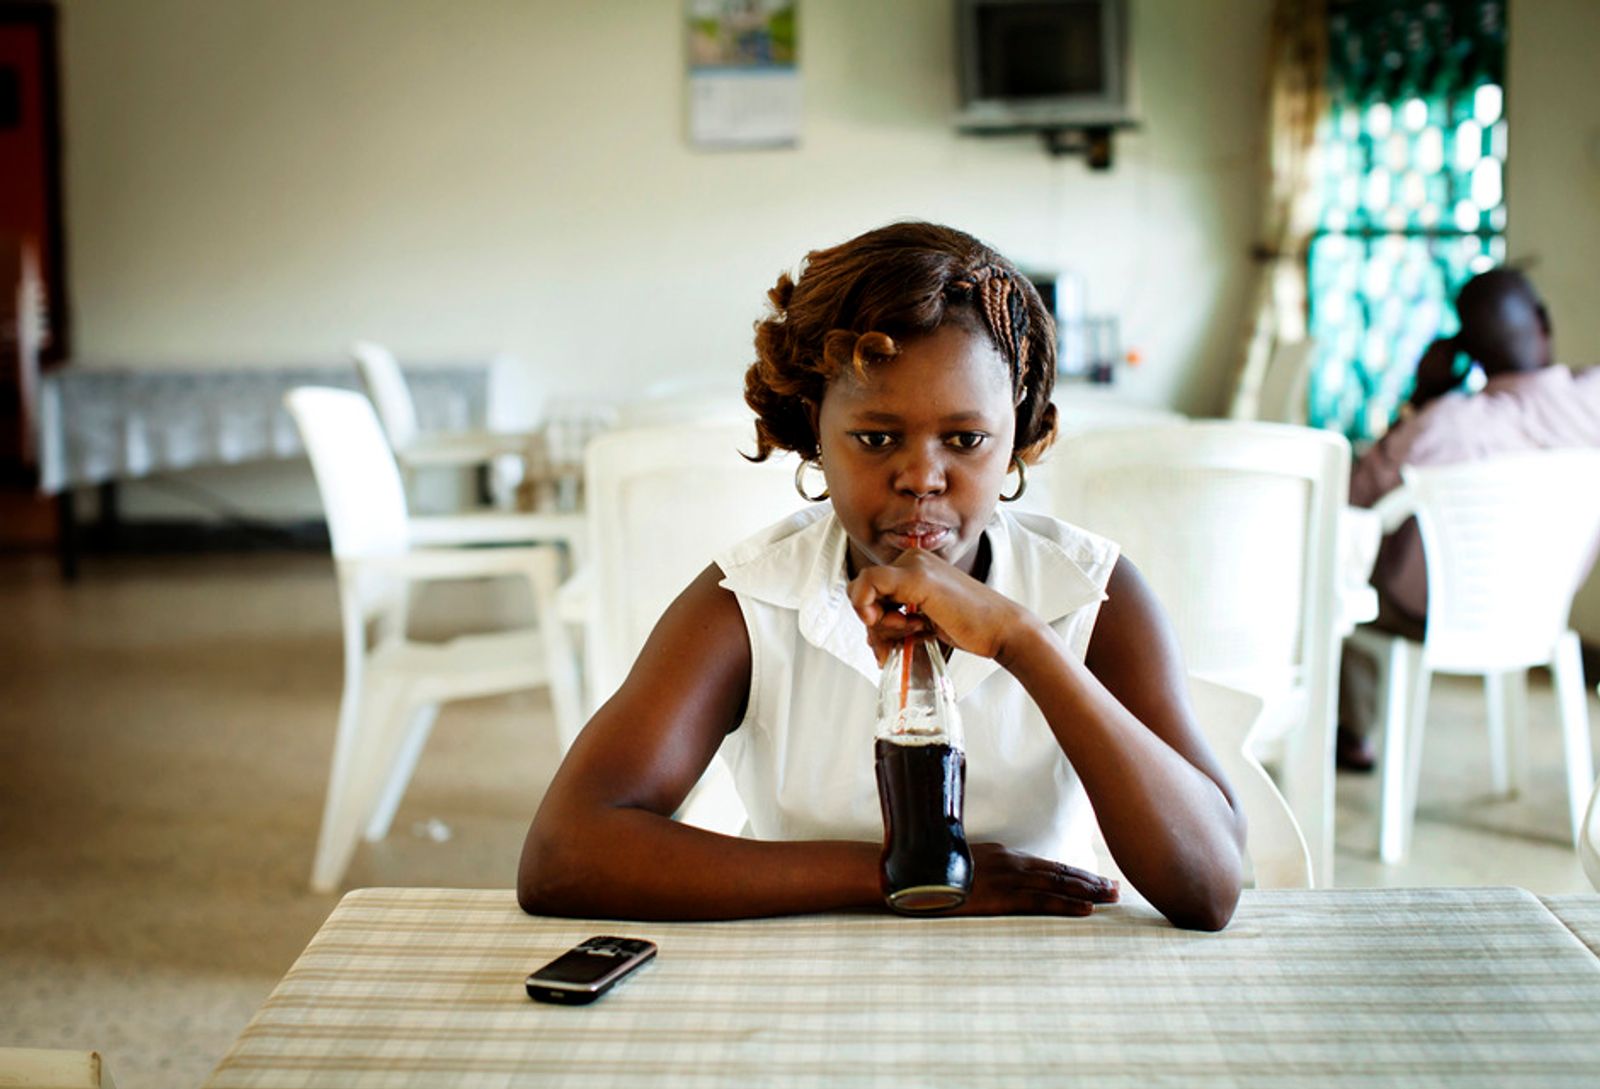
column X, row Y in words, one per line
column 893, row 626
column 875, row 594
column 893, row 630
column 1060, row 880
column 1011, row 882
column 936, row 598
column 1042, row 904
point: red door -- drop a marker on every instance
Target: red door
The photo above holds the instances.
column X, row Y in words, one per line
column 32, row 277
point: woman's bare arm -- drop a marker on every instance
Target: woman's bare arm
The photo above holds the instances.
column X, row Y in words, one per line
column 603, row 842
column 1123, row 719
column 1121, row 716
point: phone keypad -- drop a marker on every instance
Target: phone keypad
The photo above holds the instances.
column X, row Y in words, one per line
column 613, row 947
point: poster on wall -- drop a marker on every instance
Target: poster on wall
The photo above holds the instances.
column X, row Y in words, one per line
column 744, row 74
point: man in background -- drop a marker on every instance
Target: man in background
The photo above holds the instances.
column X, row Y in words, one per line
column 1528, row 402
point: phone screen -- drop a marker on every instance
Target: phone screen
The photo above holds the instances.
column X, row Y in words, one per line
column 1468, row 373
column 580, row 966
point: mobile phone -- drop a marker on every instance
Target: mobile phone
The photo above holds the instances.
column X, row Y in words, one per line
column 1468, row 373
column 588, row 970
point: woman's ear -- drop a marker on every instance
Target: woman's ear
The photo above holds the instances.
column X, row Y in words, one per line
column 1044, row 435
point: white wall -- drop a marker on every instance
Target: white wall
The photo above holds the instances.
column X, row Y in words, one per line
column 259, row 181
column 1553, row 184
column 1553, row 163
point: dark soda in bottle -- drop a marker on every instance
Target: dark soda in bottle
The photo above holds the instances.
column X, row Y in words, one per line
column 922, row 778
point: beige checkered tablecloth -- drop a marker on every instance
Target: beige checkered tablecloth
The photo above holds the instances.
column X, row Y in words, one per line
column 1370, row 987
column 1581, row 914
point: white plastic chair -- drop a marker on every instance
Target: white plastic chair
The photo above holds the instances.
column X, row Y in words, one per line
column 661, row 503
column 387, row 388
column 1236, row 527
column 685, row 401
column 1080, row 409
column 416, row 449
column 1285, row 387
column 1228, row 717
column 1508, row 541
column 1589, row 841
column 393, row 686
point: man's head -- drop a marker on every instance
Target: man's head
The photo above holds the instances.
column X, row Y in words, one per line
column 1504, row 325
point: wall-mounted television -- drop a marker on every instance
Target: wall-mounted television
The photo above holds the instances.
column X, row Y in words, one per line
column 1043, row 64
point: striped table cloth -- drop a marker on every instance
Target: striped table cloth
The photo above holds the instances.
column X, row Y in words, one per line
column 1581, row 914
column 1368, row 987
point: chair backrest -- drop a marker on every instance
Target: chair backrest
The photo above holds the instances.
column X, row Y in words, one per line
column 515, row 396
column 362, row 494
column 380, row 373
column 661, row 502
column 1279, row 858
column 695, row 400
column 1508, row 540
column 1235, row 527
column 1285, row 387
column 364, row 502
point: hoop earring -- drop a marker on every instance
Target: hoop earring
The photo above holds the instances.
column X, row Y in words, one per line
column 799, row 482
column 1022, row 481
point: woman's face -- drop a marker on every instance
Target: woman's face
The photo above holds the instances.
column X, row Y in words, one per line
column 918, row 450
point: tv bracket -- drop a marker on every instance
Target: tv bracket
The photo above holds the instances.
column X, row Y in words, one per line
column 1093, row 142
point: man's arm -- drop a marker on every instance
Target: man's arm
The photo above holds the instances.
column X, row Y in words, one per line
column 1377, row 472
column 1436, row 372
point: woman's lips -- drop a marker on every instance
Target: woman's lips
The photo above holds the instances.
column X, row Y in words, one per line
column 917, row 535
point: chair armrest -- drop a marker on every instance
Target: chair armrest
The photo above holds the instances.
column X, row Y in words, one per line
column 490, row 527
column 459, row 563
column 575, row 597
column 465, row 447
column 1394, row 508
column 1357, row 605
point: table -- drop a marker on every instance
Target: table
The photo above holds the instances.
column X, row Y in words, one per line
column 1369, row 987
column 1580, row 914
column 102, row 426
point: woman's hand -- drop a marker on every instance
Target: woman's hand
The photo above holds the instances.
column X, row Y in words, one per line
column 955, row 607
column 1008, row 882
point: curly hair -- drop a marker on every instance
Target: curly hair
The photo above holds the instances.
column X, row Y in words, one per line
column 857, row 303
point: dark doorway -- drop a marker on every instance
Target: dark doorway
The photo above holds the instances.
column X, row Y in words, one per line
column 33, row 296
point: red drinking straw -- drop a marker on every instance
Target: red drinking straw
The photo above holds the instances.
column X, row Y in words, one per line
column 905, row 666
column 905, row 648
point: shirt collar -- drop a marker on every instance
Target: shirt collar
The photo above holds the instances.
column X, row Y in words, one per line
column 1512, row 380
column 1027, row 567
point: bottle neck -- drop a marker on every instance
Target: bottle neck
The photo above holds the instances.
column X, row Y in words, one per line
column 916, row 699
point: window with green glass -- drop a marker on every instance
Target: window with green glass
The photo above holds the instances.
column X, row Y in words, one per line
column 1410, row 187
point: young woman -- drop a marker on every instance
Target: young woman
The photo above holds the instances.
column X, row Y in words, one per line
column 915, row 364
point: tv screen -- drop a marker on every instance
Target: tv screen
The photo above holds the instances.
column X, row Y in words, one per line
column 1038, row 64
column 1040, row 50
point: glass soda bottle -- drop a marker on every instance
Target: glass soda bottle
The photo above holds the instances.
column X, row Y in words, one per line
column 922, row 779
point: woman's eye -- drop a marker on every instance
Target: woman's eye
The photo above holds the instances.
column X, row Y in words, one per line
column 967, row 440
column 874, row 440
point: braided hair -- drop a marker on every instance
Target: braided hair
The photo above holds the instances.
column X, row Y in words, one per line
column 857, row 303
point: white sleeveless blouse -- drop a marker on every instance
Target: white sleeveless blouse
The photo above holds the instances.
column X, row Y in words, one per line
column 802, row 757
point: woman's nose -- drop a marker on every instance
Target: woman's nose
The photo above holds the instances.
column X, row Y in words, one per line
column 920, row 474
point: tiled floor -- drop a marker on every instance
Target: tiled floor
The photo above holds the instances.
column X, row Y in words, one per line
column 165, row 729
